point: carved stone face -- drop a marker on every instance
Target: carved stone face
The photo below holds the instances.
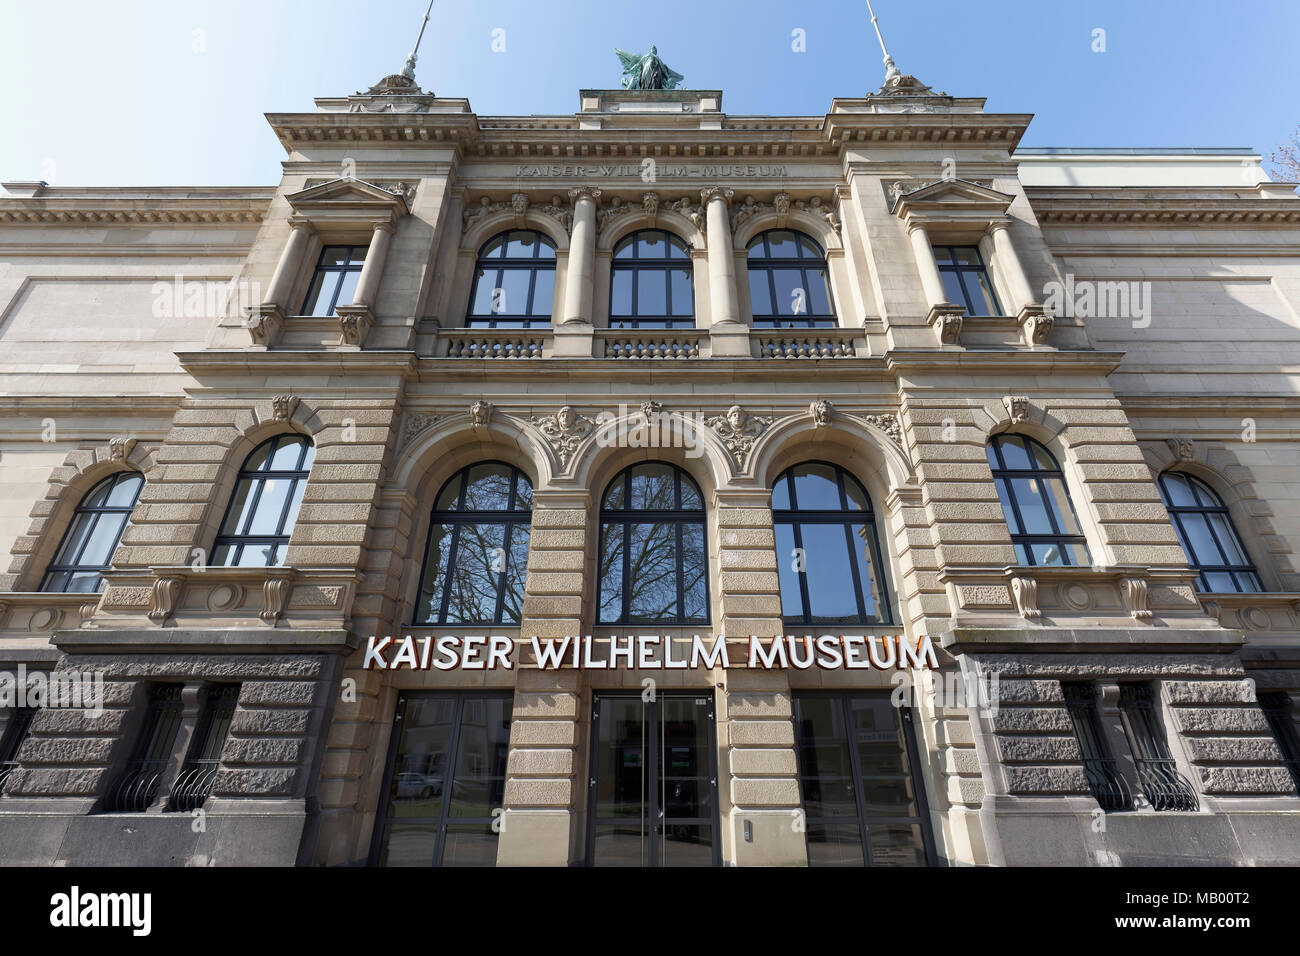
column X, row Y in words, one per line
column 737, row 417
column 567, row 417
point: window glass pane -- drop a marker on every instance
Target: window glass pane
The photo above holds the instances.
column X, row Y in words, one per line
column 1004, row 495
column 952, row 290
column 318, row 296
column 1228, row 538
column 1249, row 581
column 258, row 556
column 611, row 573
column 347, row 288
column 991, row 454
column 652, row 578
column 781, row 494
column 781, row 244
column 494, row 247
column 897, row 844
column 291, row 516
column 982, row 300
column 435, row 573
column 858, row 500
column 1033, row 509
column 222, row 556
column 521, row 245
column 98, row 495
column 266, row 519
column 809, row 248
column 791, row 296
column 483, row 286
column 1042, row 457
column 760, row 296
column 543, row 292
column 791, row 598
column 286, row 456
column 868, row 561
column 1197, row 532
column 1176, row 492
column 819, row 294
column 839, row 845
column 1204, row 494
column 334, row 255
column 512, row 299
column 516, row 569
column 815, row 488
column 479, row 782
column 1048, row 554
column 625, row 248
column 125, row 491
column 694, row 572
column 358, row 255
column 829, row 576
column 1078, row 552
column 523, row 493
column 1022, row 554
column 965, row 255
column 943, row 255
column 651, row 245
column 55, row 583
column 75, row 538
column 653, row 488
column 677, row 248
column 82, row 582
column 652, row 292
column 691, row 500
column 488, row 488
column 1014, row 455
column 1060, row 504
column 479, row 549
column 620, row 294
column 615, row 497
column 103, row 539
column 683, row 298
column 1219, row 582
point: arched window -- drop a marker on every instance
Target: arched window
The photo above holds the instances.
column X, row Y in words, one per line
column 92, row 537
column 264, row 507
column 514, row 281
column 477, row 555
column 650, row 282
column 1044, row 527
column 789, row 285
column 827, row 549
column 653, row 558
column 1205, row 529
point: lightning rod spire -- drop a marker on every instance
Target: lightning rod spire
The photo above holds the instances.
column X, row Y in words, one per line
column 408, row 71
column 891, row 71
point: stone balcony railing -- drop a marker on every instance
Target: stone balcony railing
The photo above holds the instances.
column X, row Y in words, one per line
column 808, row 343
column 493, row 343
column 651, row 343
column 680, row 344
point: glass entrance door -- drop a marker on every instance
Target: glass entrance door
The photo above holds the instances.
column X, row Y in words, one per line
column 652, row 797
column 864, row 803
column 446, row 776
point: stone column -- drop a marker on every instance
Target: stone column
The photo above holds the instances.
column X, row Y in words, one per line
column 761, row 801
column 543, row 793
column 926, row 266
column 1018, row 288
column 286, row 271
column 728, row 335
column 582, row 256
column 373, row 269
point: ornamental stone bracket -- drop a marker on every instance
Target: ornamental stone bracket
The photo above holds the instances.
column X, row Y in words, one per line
column 1035, row 326
column 197, row 597
column 564, row 432
column 264, row 323
column 738, row 430
column 1105, row 599
column 1273, row 614
column 946, row 320
column 354, row 322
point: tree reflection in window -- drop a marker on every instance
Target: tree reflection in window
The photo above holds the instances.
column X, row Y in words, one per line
column 653, row 557
column 1040, row 516
column 478, row 548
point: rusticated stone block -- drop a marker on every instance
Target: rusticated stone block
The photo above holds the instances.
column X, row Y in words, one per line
column 278, row 692
column 765, row 791
column 545, row 705
column 755, row 762
column 78, row 722
column 1062, row 779
column 538, row 792
column 761, row 733
column 1234, row 750
column 51, row 782
column 255, row 723
column 269, row 781
column 1032, row 720
column 1011, row 691
column 1039, row 749
column 63, row 751
column 540, row 763
column 1210, row 692
column 254, row 750
column 535, row 733
column 1261, row 780
column 1220, row 720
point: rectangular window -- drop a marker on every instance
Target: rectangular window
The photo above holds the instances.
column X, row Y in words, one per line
column 137, row 788
column 194, row 784
column 20, row 723
column 966, row 280
column 335, row 281
column 1104, row 779
column 1158, row 775
column 1281, row 718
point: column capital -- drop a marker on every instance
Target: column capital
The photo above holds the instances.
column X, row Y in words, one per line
column 386, row 225
column 710, row 193
column 579, row 193
column 914, row 226
column 997, row 225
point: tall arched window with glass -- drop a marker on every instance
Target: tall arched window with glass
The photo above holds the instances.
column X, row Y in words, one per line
column 262, row 512
column 654, row 562
column 477, row 553
column 1208, row 536
column 93, row 535
column 650, row 282
column 514, row 282
column 1040, row 516
column 789, row 285
column 827, row 548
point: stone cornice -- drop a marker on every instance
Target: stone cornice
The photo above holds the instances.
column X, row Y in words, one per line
column 245, row 207
column 1162, row 211
column 1015, row 361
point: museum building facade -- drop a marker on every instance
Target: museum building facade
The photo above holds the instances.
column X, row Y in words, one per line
column 654, row 369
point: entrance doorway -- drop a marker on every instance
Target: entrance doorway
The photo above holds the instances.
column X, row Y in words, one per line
column 864, row 800
column 653, row 790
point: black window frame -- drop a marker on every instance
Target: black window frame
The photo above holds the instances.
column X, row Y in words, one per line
column 337, row 271
column 136, row 789
column 679, row 517
column 1026, row 541
column 510, row 517
column 16, row 730
column 533, row 265
column 846, row 517
column 768, row 264
column 1105, row 780
column 663, row 266
column 193, row 785
column 279, row 541
column 96, row 513
column 1176, row 512
column 961, row 270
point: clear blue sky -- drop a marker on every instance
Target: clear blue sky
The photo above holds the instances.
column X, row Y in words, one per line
column 115, row 93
